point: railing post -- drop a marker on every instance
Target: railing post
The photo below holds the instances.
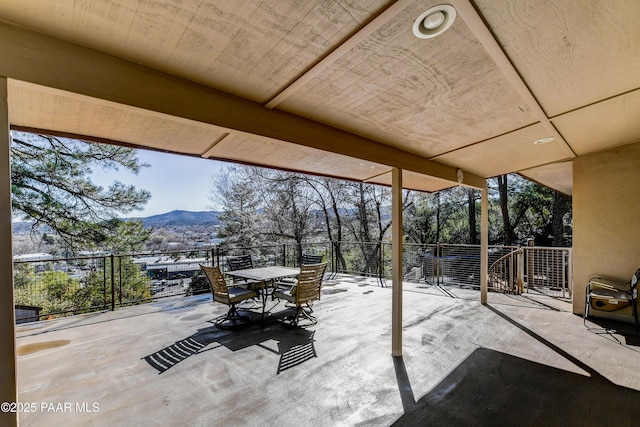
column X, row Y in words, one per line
column 510, row 269
column 104, row 280
column 569, row 280
column 381, row 261
column 531, row 268
column 520, row 266
column 326, row 254
column 120, row 279
column 334, row 255
column 284, row 254
column 438, row 266
column 113, row 287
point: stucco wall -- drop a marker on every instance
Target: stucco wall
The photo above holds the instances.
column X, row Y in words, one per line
column 606, row 217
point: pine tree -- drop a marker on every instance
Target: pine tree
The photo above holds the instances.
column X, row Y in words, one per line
column 51, row 186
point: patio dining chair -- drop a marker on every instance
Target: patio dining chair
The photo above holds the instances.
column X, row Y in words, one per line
column 288, row 282
column 229, row 295
column 243, row 262
column 311, row 259
column 302, row 295
column 608, row 296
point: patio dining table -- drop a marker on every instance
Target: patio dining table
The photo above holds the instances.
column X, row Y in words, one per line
column 267, row 275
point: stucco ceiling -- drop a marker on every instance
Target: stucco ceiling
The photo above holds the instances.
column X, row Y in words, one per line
column 507, row 73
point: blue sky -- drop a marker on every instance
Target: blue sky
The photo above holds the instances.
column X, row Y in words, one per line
column 175, row 182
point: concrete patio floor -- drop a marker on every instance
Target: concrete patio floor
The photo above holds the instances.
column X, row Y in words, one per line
column 520, row 360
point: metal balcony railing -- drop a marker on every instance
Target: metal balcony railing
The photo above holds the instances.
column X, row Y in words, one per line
column 548, row 269
column 506, row 273
column 66, row 286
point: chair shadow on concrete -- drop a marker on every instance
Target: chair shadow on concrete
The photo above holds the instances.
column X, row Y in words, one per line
column 619, row 332
column 296, row 350
column 295, row 346
column 491, row 388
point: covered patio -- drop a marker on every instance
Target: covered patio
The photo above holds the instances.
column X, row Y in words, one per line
column 519, row 360
column 351, row 90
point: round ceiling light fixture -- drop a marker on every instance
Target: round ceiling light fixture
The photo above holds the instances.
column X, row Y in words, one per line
column 543, row 140
column 434, row 21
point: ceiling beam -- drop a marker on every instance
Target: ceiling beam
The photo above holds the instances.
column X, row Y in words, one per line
column 351, row 42
column 209, row 151
column 478, row 27
column 36, row 58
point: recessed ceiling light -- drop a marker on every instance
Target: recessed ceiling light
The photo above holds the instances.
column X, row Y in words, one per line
column 434, row 21
column 544, row 140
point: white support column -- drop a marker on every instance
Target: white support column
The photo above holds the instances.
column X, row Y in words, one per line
column 396, row 262
column 8, row 383
column 484, row 246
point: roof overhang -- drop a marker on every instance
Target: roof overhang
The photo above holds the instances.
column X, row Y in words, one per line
column 337, row 89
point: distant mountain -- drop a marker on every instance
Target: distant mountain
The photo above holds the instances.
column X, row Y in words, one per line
column 181, row 218
column 175, row 218
column 21, row 227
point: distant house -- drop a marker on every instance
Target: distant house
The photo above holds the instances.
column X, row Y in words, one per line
column 27, row 313
column 33, row 257
column 37, row 260
column 162, row 268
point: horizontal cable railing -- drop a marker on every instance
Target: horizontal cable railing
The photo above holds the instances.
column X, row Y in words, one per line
column 358, row 258
column 447, row 264
column 548, row 269
column 261, row 256
column 418, row 262
column 459, row 265
column 293, row 252
column 66, row 286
